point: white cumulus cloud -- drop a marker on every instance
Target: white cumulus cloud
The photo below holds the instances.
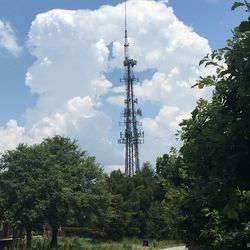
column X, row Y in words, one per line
column 8, row 40
column 75, row 51
column 116, row 100
column 11, row 135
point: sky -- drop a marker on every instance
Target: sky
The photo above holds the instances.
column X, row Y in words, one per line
column 61, row 62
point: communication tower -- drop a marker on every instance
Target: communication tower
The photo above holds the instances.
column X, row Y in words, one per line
column 133, row 134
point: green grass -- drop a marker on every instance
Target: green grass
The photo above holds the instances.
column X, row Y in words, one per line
column 76, row 243
column 128, row 244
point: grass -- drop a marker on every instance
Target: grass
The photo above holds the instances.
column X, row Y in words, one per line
column 76, row 243
column 128, row 244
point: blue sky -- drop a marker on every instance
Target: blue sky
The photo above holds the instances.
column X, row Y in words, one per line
column 208, row 23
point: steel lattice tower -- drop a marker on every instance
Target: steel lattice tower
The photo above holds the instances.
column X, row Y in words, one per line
column 132, row 136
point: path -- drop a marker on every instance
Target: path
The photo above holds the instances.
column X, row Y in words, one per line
column 175, row 248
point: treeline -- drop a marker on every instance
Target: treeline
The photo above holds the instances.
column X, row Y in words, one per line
column 56, row 184
column 199, row 193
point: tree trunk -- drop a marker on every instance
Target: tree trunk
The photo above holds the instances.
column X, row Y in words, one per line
column 14, row 233
column 54, row 237
column 28, row 237
column 5, row 230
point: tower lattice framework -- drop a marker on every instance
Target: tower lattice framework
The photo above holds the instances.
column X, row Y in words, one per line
column 133, row 134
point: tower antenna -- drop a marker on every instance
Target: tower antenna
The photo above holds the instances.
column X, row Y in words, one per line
column 126, row 44
column 132, row 136
column 125, row 19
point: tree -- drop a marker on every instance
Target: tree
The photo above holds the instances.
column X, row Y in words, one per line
column 75, row 185
column 216, row 142
column 20, row 188
column 54, row 183
column 137, row 205
column 173, row 180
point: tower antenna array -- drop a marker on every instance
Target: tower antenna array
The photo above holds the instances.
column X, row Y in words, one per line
column 132, row 135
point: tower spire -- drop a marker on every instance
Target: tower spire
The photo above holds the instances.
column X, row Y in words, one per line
column 126, row 44
column 132, row 136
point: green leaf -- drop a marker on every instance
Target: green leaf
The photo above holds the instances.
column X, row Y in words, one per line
column 244, row 26
column 236, row 5
column 248, row 5
column 211, row 63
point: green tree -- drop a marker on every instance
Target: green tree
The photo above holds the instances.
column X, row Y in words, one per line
column 173, row 180
column 53, row 183
column 136, row 204
column 216, row 142
column 118, row 186
column 20, row 189
column 75, row 185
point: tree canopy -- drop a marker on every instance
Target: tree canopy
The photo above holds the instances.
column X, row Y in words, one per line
column 54, row 183
column 214, row 213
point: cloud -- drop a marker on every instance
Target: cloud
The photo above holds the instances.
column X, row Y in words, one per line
column 79, row 120
column 160, row 131
column 155, row 89
column 70, row 76
column 116, row 100
column 159, row 125
column 8, row 40
column 11, row 135
column 110, row 168
column 57, row 123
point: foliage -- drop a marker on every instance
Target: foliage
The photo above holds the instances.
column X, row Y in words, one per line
column 21, row 190
column 75, row 185
column 213, row 180
column 137, row 205
column 53, row 183
column 77, row 243
column 172, row 173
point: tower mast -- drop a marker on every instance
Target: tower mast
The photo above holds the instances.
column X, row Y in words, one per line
column 132, row 136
